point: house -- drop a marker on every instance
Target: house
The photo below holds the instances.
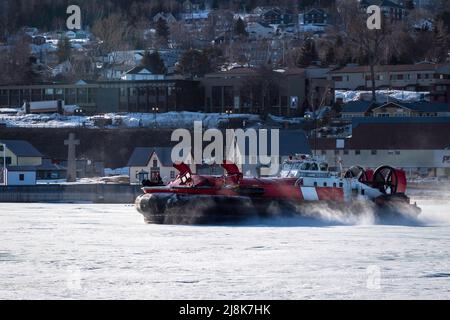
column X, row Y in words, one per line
column 146, row 163
column 118, row 62
column 198, row 17
column 314, row 16
column 420, row 148
column 19, row 153
column 360, row 108
column 390, row 9
column 21, row 176
column 274, row 15
column 21, row 160
column 411, row 109
column 411, row 77
column 141, row 73
column 38, row 40
column 193, row 5
column 168, row 17
column 50, row 170
column 62, row 68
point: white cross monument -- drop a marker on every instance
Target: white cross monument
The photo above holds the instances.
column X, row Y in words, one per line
column 71, row 159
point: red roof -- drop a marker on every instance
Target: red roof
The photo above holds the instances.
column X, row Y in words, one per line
column 390, row 68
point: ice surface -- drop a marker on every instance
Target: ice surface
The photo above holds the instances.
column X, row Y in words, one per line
column 98, row 251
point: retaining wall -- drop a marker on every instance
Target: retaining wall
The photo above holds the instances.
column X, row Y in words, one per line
column 98, row 193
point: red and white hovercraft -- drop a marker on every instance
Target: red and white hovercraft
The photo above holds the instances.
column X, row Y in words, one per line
column 302, row 182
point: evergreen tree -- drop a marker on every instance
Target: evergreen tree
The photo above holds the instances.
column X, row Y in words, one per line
column 162, row 29
column 239, row 28
column 64, row 50
column 441, row 41
column 409, row 4
column 330, row 56
column 153, row 62
column 194, row 63
column 308, row 53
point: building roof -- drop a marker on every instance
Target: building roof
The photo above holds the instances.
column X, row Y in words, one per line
column 422, row 106
column 138, row 70
column 357, row 106
column 394, row 136
column 47, row 165
column 382, row 3
column 315, row 11
column 141, row 156
column 356, row 121
column 389, row 68
column 21, row 148
column 21, row 168
column 291, row 142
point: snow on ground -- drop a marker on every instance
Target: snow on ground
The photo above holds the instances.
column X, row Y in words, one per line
column 87, row 251
column 117, row 172
column 114, row 179
column 125, row 120
column 381, row 95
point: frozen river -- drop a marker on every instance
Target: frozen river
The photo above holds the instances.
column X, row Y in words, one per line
column 95, row 251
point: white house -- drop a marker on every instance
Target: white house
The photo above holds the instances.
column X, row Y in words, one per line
column 146, row 163
column 21, row 160
column 21, row 176
column 168, row 17
column 141, row 73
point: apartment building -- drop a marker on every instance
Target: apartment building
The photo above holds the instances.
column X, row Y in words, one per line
column 411, row 77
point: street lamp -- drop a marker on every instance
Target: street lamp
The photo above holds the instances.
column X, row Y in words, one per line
column 4, row 175
column 229, row 112
column 155, row 111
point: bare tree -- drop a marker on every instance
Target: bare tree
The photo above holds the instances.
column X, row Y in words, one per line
column 369, row 43
column 112, row 33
